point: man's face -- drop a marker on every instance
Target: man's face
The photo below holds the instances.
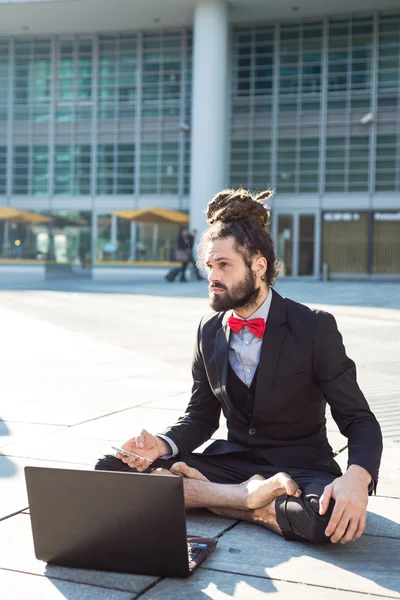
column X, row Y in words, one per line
column 232, row 282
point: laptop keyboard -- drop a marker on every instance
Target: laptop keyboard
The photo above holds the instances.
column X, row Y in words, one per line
column 194, row 550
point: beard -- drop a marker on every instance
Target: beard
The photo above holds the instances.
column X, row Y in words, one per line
column 242, row 295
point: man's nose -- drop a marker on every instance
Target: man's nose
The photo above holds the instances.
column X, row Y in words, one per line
column 214, row 279
column 212, row 275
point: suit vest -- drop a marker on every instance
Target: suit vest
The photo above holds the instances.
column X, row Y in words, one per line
column 242, row 397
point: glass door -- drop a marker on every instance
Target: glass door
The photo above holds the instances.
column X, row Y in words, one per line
column 306, row 253
column 295, row 237
column 284, row 243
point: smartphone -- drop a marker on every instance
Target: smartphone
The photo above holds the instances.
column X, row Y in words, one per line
column 127, row 453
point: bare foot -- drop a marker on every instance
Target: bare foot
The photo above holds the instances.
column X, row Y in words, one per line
column 182, row 469
column 259, row 491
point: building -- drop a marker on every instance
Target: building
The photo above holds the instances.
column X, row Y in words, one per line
column 107, row 106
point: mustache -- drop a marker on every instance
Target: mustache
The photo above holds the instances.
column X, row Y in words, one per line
column 221, row 286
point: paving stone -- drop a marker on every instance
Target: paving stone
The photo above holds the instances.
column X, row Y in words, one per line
column 337, row 440
column 17, row 554
column 125, row 424
column 13, row 496
column 202, row 522
column 70, row 449
column 69, row 410
column 22, row 585
column 10, row 432
column 95, row 367
column 371, row 565
column 389, row 474
column 176, row 402
column 383, row 518
column 206, row 583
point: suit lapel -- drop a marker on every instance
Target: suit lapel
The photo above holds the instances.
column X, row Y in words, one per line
column 274, row 335
column 221, row 356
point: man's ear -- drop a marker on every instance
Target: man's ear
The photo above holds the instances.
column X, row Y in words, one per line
column 260, row 266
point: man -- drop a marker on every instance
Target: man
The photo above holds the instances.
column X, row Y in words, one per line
column 270, row 364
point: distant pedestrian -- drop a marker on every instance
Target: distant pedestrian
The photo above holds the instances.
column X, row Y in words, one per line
column 182, row 254
column 193, row 259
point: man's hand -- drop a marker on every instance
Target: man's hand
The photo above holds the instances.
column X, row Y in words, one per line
column 146, row 445
column 350, row 492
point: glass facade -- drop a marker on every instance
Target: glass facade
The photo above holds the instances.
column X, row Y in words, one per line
column 96, row 116
column 386, row 243
column 300, row 92
column 345, row 241
column 362, row 242
column 96, row 123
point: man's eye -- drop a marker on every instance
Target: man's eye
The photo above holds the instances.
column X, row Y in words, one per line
column 223, row 264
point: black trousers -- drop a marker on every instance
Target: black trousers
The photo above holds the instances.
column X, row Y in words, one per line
column 182, row 271
column 298, row 518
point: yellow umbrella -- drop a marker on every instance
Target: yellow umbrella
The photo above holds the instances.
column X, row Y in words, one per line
column 153, row 215
column 156, row 216
column 21, row 216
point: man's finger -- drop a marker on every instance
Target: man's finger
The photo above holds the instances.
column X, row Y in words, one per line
column 335, row 519
column 350, row 531
column 140, row 439
column 140, row 467
column 325, row 499
column 361, row 526
column 340, row 528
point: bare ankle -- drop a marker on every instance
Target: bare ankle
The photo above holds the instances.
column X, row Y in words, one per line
column 266, row 517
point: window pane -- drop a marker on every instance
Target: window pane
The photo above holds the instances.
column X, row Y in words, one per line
column 345, row 240
column 306, row 245
column 386, row 243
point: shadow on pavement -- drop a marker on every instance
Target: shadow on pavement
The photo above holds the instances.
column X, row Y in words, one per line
column 7, row 467
column 369, row 558
column 3, row 428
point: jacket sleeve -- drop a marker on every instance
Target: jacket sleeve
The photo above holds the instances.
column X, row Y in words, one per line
column 201, row 418
column 335, row 373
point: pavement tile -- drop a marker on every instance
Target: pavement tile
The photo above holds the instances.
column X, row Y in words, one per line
column 13, row 496
column 383, row 517
column 61, row 448
column 176, row 402
column 215, row 585
column 337, row 440
column 21, row 585
column 389, row 473
column 17, row 554
column 97, row 374
column 358, row 567
column 123, row 425
column 10, row 432
column 69, row 410
column 202, row 522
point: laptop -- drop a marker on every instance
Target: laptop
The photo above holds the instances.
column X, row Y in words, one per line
column 112, row 521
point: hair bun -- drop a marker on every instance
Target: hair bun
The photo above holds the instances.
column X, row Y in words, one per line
column 239, row 205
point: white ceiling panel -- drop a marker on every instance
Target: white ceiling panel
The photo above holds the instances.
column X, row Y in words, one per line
column 35, row 17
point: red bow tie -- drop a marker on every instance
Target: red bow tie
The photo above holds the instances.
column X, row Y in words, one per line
column 256, row 326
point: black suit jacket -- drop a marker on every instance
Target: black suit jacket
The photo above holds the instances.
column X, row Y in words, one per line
column 303, row 365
